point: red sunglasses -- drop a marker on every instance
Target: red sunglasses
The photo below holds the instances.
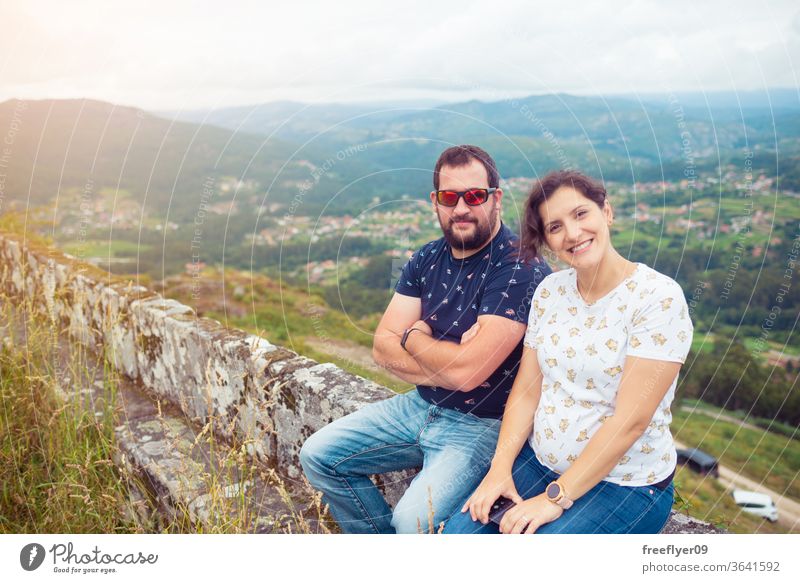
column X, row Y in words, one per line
column 473, row 196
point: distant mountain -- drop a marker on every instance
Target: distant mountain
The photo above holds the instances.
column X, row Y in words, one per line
column 610, row 136
column 766, row 99
column 63, row 145
column 297, row 120
column 341, row 158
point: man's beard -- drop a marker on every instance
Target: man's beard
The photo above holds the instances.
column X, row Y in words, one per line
column 478, row 239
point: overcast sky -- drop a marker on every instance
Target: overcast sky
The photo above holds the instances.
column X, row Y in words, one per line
column 191, row 54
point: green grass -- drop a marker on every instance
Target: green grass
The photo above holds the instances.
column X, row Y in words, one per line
column 386, row 380
column 754, row 344
column 57, row 457
column 768, row 424
column 628, row 238
column 706, row 499
column 298, row 345
column 785, row 208
column 763, row 456
column 13, row 226
column 56, row 468
column 286, row 316
column 115, row 193
column 703, row 342
column 104, row 248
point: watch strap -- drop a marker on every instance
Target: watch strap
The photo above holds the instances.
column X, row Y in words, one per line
column 406, row 333
column 560, row 498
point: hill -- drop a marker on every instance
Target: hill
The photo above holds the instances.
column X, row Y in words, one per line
column 615, row 137
column 63, row 147
column 338, row 158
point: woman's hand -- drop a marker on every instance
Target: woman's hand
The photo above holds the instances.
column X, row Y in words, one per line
column 495, row 484
column 471, row 333
column 530, row 515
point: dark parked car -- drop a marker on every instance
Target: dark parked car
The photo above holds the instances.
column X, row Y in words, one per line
column 699, row 461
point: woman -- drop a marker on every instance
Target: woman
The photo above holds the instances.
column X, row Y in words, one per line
column 585, row 445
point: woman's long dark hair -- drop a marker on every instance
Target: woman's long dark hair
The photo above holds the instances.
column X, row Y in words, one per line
column 532, row 228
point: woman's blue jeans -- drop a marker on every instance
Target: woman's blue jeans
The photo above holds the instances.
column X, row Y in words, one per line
column 605, row 509
column 454, row 450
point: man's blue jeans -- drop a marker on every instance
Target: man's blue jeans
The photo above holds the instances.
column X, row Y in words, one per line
column 605, row 509
column 454, row 449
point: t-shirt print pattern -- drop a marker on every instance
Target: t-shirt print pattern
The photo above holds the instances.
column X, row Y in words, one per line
column 582, row 349
column 454, row 293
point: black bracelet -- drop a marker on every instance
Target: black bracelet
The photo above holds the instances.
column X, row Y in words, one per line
column 406, row 334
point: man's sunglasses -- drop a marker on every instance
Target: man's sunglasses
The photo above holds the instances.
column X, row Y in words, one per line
column 473, row 196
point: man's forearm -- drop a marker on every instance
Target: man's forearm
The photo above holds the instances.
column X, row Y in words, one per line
column 389, row 355
column 440, row 358
column 392, row 357
column 403, row 366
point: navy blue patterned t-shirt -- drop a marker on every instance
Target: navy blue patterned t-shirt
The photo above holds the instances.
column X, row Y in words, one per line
column 454, row 292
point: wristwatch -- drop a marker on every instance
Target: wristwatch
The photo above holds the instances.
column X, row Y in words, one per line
column 557, row 495
column 406, row 334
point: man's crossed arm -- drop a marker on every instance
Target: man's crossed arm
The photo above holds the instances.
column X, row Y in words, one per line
column 431, row 362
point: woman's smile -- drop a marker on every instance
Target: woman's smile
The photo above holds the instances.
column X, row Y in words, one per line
column 581, row 248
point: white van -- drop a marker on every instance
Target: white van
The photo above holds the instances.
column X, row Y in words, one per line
column 756, row 503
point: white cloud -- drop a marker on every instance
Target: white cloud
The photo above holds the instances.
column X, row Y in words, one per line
column 193, row 54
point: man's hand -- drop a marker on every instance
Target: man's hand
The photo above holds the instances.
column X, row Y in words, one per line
column 464, row 366
column 433, row 362
column 471, row 333
column 402, row 312
column 422, row 326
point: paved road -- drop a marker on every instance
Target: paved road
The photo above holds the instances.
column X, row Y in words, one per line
column 788, row 509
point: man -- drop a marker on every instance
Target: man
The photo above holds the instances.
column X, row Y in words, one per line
column 454, row 328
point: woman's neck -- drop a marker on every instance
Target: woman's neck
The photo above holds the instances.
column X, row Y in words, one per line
column 595, row 282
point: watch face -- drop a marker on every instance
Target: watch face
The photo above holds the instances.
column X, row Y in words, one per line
column 553, row 490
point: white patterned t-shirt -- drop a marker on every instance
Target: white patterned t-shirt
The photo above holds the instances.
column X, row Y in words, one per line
column 581, row 350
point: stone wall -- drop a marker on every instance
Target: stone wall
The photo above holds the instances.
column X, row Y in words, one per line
column 257, row 393
column 265, row 396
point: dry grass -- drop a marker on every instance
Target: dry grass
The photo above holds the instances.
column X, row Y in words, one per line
column 57, row 474
column 58, row 448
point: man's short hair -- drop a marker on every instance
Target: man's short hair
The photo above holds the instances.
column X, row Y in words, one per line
column 462, row 156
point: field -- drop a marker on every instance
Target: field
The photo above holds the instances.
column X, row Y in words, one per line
column 765, row 456
column 104, row 248
column 706, row 499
